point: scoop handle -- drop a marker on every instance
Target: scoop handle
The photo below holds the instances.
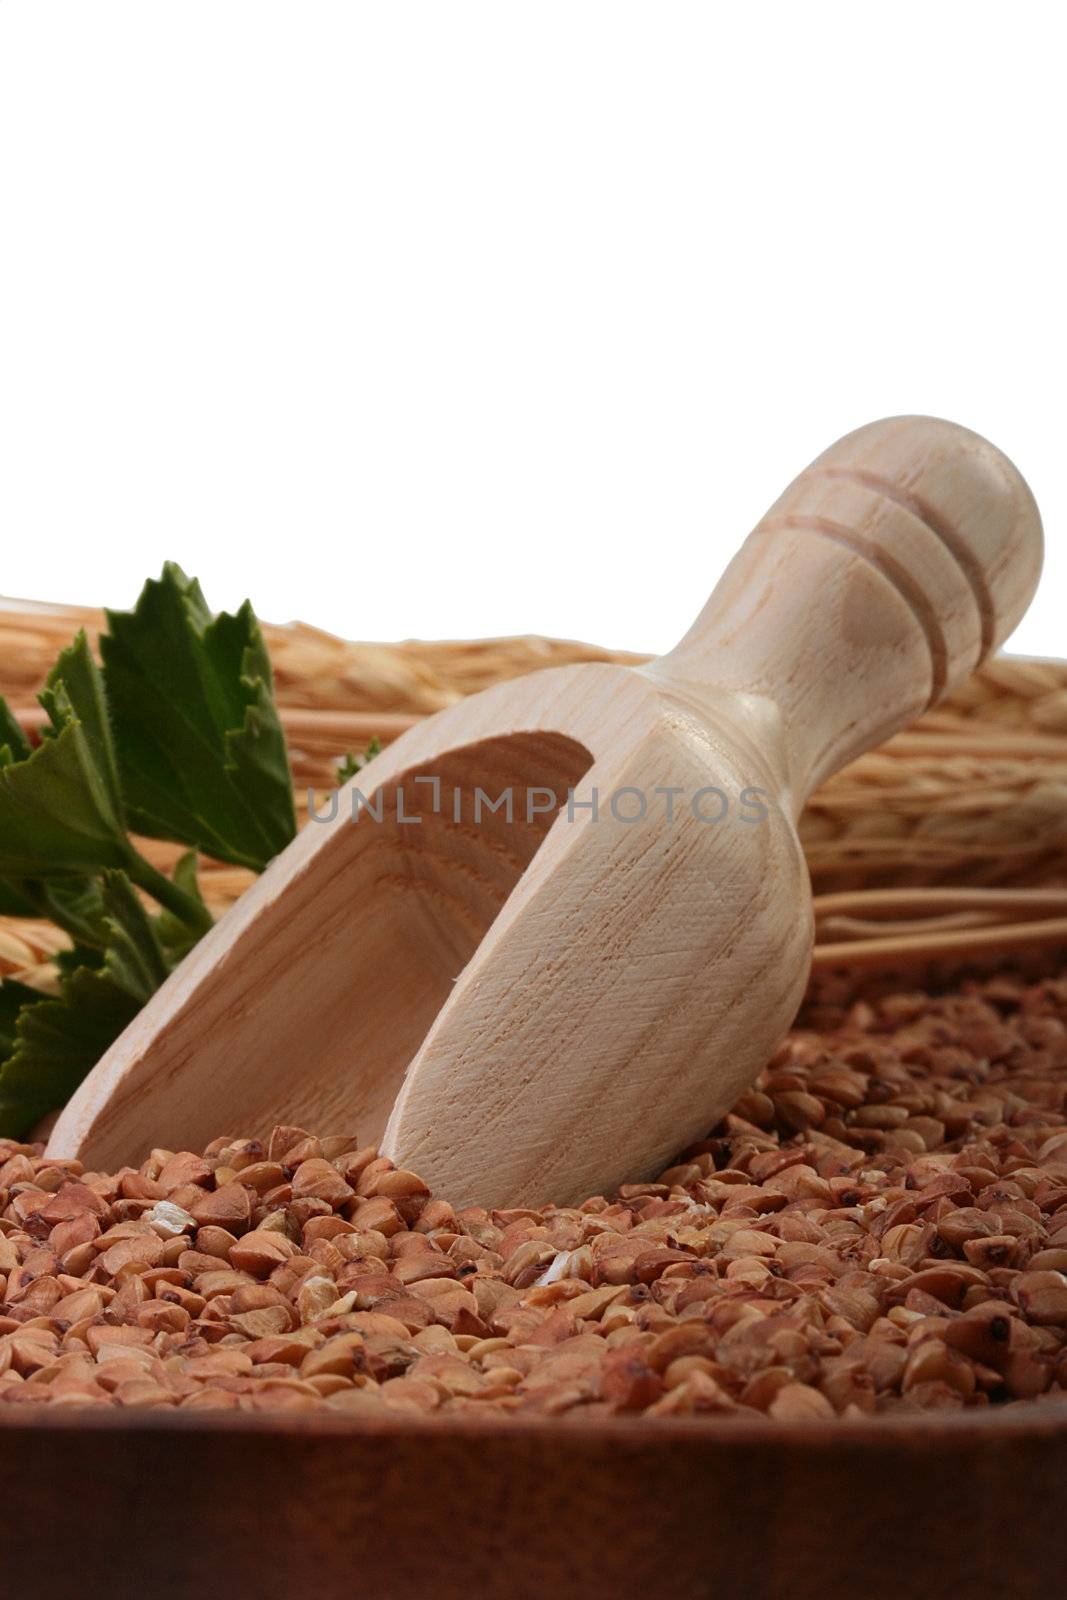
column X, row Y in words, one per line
column 878, row 581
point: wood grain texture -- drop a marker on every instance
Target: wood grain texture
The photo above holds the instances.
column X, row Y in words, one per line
column 98, row 1506
column 542, row 1007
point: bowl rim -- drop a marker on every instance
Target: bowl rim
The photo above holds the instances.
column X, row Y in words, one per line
column 1043, row 1419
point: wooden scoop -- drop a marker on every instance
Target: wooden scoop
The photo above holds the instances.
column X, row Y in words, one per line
column 544, row 1004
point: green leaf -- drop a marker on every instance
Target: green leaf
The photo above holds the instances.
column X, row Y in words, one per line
column 60, row 809
column 13, row 996
column 74, row 688
column 72, row 903
column 14, row 745
column 201, row 751
column 56, row 1045
column 350, row 764
column 77, row 906
column 176, row 937
column 67, row 962
column 50, row 1045
column 133, row 955
column 178, row 737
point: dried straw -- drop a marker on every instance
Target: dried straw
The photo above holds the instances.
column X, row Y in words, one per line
column 972, row 799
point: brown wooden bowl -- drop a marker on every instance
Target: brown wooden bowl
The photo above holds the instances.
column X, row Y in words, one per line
column 962, row 1506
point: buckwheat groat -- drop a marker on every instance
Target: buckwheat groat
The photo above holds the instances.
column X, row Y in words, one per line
column 880, row 1224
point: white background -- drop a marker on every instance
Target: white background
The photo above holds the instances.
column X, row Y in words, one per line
column 457, row 319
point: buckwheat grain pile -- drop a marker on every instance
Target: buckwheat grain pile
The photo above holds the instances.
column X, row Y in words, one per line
column 880, row 1225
